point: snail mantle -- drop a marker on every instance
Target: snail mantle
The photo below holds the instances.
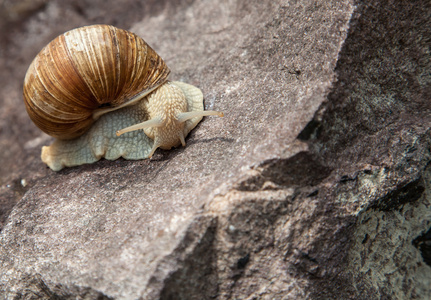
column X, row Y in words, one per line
column 93, row 88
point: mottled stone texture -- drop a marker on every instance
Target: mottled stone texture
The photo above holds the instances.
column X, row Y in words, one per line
column 316, row 184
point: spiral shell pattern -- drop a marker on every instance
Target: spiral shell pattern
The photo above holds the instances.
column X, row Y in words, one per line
column 86, row 69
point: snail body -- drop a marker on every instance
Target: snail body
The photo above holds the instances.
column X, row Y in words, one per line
column 93, row 88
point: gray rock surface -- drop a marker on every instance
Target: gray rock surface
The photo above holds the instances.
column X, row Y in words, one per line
column 316, row 184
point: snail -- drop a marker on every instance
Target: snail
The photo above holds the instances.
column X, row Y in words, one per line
column 93, row 88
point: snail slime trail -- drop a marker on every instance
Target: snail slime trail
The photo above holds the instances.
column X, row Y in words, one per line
column 94, row 97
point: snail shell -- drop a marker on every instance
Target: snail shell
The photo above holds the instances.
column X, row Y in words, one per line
column 87, row 69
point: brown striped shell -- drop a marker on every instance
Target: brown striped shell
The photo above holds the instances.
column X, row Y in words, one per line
column 85, row 70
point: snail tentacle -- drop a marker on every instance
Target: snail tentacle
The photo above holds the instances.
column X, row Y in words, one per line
column 182, row 139
column 182, row 117
column 155, row 146
column 156, row 122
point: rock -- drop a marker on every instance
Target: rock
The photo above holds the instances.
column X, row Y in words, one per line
column 314, row 186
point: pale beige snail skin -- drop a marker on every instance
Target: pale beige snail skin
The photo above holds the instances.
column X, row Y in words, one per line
column 94, row 101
